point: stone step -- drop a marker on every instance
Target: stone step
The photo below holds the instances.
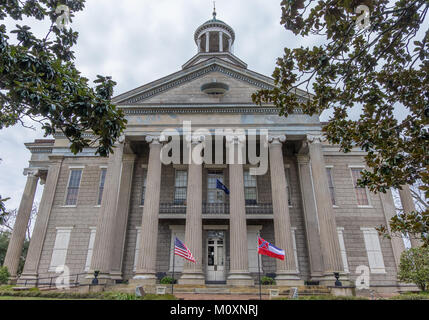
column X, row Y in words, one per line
column 213, row 290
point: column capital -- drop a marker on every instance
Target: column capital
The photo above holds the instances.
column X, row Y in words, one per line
column 30, row 173
column 195, row 139
column 276, row 139
column 121, row 138
column 315, row 138
column 156, row 139
column 235, row 139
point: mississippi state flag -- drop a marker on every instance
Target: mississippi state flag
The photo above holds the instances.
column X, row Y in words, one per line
column 267, row 249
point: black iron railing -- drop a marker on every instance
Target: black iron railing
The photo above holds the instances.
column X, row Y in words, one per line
column 216, row 208
column 73, row 280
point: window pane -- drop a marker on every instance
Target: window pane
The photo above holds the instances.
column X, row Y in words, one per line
column 361, row 195
column 181, row 187
column 73, row 187
column 101, row 189
column 214, row 195
column 249, row 180
column 331, row 185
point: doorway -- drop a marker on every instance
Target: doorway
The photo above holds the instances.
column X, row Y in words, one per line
column 215, row 257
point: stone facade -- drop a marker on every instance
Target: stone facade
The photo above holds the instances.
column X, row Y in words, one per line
column 292, row 209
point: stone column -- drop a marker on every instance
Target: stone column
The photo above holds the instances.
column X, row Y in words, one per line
column 286, row 269
column 310, row 218
column 207, row 41
column 330, row 245
column 37, row 240
column 199, row 45
column 389, row 211
column 104, row 240
column 122, row 211
column 220, row 41
column 146, row 264
column 193, row 272
column 16, row 242
column 239, row 262
column 409, row 206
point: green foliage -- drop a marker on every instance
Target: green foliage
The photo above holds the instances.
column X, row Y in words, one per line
column 6, row 291
column 268, row 281
column 414, row 267
column 167, row 280
column 159, row 297
column 324, row 297
column 412, row 296
column 122, row 296
column 4, row 275
column 376, row 68
column 4, row 243
column 38, row 79
column 3, row 212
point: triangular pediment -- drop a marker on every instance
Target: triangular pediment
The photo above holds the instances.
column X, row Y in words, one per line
column 185, row 86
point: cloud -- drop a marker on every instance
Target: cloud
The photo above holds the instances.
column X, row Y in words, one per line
column 139, row 41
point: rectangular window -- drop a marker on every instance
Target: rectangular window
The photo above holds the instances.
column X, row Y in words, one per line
column 214, row 195
column 250, row 188
column 90, row 248
column 361, row 194
column 181, row 187
column 288, row 186
column 340, row 231
column 101, row 186
column 331, row 185
column 144, row 186
column 73, row 187
column 373, row 249
column 61, row 245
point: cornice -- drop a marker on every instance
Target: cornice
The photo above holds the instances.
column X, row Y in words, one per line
column 132, row 110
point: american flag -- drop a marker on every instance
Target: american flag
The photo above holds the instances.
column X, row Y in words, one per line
column 181, row 250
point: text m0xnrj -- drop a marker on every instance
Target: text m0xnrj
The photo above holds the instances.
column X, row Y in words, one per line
column 207, row 146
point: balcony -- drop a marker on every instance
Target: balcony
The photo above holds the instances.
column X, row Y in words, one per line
column 216, row 208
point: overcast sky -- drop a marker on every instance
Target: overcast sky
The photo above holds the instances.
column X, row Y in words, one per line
column 139, row 41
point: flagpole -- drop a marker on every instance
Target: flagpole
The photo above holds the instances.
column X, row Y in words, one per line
column 172, row 283
column 259, row 271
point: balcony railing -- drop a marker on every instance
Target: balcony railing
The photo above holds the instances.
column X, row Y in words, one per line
column 216, row 208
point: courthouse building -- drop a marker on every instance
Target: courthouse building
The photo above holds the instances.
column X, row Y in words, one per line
column 120, row 215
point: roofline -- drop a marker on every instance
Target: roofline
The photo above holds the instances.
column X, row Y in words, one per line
column 213, row 61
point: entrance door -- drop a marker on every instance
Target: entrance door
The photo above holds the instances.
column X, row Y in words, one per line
column 216, row 256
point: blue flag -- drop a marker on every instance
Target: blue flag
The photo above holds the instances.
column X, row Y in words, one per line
column 221, row 186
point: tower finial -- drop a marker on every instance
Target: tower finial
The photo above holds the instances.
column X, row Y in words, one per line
column 214, row 10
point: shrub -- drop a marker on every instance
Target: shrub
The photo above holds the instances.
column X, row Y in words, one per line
column 267, row 281
column 414, row 267
column 122, row 296
column 4, row 275
column 167, row 280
